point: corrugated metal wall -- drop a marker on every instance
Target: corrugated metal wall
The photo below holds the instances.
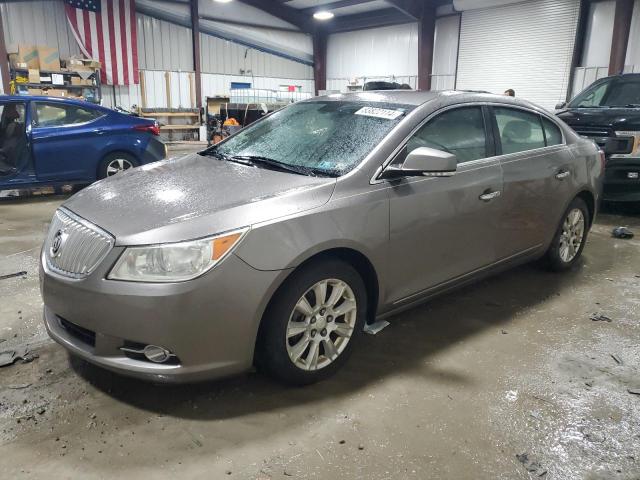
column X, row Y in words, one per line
column 163, row 45
column 225, row 57
column 379, row 53
column 39, row 23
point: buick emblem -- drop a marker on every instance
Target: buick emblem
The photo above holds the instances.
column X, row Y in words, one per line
column 58, row 241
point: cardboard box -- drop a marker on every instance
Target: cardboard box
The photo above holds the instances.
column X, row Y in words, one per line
column 28, row 54
column 34, row 75
column 49, row 58
column 54, row 92
column 35, row 91
column 80, row 81
column 84, row 72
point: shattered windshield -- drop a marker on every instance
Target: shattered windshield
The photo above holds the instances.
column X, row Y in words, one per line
column 329, row 138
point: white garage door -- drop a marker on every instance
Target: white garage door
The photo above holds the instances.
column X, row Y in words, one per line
column 527, row 46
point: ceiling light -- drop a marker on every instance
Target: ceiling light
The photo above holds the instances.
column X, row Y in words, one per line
column 222, row 1
column 323, row 15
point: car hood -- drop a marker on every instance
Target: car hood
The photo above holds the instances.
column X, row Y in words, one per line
column 616, row 118
column 194, row 196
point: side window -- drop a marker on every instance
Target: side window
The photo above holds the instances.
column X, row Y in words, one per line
column 519, row 130
column 551, row 132
column 459, row 131
column 58, row 115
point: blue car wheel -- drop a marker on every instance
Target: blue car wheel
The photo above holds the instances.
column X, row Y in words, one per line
column 115, row 163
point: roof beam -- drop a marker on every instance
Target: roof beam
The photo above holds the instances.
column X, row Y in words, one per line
column 411, row 8
column 283, row 12
column 375, row 18
column 333, row 6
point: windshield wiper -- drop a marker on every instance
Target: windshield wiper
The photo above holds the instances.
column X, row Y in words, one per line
column 270, row 162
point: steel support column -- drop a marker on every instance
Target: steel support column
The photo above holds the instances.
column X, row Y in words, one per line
column 620, row 40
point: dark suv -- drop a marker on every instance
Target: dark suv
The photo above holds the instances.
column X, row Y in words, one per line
column 609, row 113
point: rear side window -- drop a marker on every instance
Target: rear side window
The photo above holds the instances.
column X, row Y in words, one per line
column 552, row 132
column 460, row 131
column 519, row 130
column 59, row 115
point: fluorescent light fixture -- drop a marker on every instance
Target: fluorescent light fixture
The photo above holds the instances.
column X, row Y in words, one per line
column 222, row 1
column 323, row 15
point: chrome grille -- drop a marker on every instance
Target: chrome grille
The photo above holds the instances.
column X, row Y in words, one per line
column 75, row 247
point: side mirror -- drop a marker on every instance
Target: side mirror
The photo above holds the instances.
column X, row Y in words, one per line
column 561, row 105
column 423, row 162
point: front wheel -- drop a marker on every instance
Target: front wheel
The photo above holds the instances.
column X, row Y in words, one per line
column 313, row 323
column 115, row 163
column 570, row 238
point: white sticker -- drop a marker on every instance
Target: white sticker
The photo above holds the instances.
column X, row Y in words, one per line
column 379, row 112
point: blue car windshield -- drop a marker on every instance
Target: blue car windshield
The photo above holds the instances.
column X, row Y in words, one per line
column 320, row 137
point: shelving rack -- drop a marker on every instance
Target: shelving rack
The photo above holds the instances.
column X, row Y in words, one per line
column 91, row 93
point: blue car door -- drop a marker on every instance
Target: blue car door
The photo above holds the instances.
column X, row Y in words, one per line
column 65, row 141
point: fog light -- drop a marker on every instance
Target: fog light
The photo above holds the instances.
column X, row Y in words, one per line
column 156, row 354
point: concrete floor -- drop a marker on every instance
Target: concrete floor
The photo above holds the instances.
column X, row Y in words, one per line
column 454, row 389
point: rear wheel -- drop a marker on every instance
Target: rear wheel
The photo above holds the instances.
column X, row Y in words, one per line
column 313, row 323
column 570, row 238
column 115, row 163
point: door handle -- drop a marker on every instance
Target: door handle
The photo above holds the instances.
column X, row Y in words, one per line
column 562, row 174
column 488, row 196
column 99, row 131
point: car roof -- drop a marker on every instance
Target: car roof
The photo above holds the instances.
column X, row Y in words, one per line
column 419, row 97
column 71, row 101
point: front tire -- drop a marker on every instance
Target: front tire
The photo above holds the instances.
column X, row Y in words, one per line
column 115, row 163
column 313, row 323
column 570, row 238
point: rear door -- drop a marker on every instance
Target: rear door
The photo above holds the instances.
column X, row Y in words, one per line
column 65, row 141
column 444, row 228
column 538, row 170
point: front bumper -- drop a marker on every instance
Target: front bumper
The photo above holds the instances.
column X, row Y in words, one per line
column 622, row 180
column 209, row 323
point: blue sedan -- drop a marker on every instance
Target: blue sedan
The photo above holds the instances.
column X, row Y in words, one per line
column 54, row 141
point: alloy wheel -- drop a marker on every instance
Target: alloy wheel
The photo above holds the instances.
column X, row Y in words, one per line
column 118, row 165
column 321, row 324
column 572, row 235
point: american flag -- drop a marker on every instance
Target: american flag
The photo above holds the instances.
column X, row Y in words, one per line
column 106, row 31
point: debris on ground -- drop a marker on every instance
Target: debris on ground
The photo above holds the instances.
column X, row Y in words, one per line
column 23, row 355
column 634, row 391
column 622, row 232
column 531, row 465
column 19, row 386
column 616, row 358
column 13, row 275
column 376, row 327
column 599, row 317
column 504, row 332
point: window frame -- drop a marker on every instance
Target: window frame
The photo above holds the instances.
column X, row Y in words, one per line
column 400, row 149
column 540, row 115
column 34, row 112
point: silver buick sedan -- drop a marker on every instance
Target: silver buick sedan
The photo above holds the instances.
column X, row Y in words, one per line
column 277, row 247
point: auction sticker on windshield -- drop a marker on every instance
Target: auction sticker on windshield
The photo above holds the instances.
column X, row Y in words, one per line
column 379, row 112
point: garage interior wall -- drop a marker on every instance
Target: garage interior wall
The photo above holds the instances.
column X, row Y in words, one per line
column 445, row 53
column 502, row 48
column 594, row 63
column 388, row 53
column 597, row 45
column 163, row 47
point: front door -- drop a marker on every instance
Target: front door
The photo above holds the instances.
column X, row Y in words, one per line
column 14, row 140
column 65, row 143
column 444, row 228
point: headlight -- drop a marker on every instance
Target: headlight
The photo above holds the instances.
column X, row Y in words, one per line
column 174, row 262
column 635, row 150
